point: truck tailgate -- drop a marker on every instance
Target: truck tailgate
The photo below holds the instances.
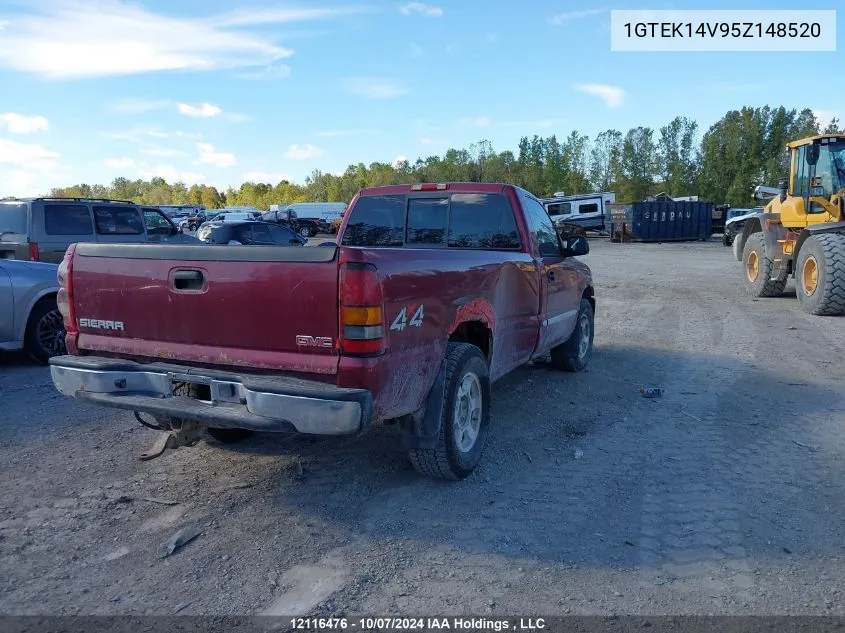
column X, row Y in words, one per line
column 255, row 306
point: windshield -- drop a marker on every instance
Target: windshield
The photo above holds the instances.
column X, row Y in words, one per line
column 12, row 218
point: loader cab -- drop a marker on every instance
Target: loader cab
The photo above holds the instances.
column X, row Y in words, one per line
column 816, row 181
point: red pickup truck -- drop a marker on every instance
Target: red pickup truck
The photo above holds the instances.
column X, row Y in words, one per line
column 431, row 293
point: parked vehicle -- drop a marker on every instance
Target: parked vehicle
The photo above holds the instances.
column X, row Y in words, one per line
column 30, row 319
column 41, row 229
column 587, row 210
column 734, row 221
column 228, row 216
column 433, row 292
column 249, row 234
column 306, row 227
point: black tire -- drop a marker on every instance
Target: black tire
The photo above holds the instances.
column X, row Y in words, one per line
column 465, row 365
column 229, row 436
column 758, row 269
column 575, row 353
column 727, row 240
column 45, row 332
column 737, row 247
column 305, row 231
column 822, row 294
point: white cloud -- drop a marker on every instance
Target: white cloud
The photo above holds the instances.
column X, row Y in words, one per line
column 303, row 152
column 28, row 169
column 204, row 111
column 416, row 50
column 119, row 163
column 4, row 24
column 432, row 141
column 374, row 87
column 237, row 118
column 72, row 39
column 209, row 156
column 269, row 73
column 139, row 106
column 161, row 151
column 170, row 174
column 399, row 160
column 563, row 18
column 419, row 8
column 266, row 177
column 824, row 117
column 613, row 96
column 20, row 124
column 27, row 156
column 480, row 121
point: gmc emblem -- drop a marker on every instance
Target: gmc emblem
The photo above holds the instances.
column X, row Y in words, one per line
column 303, row 340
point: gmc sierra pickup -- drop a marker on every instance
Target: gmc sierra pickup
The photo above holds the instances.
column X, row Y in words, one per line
column 431, row 293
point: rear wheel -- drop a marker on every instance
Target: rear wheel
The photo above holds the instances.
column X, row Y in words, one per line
column 465, row 418
column 758, row 269
column 305, row 231
column 45, row 331
column 820, row 275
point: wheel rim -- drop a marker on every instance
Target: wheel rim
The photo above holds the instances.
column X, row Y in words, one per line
column 584, row 343
column 752, row 266
column 50, row 333
column 304, row 232
column 466, row 419
column 810, row 275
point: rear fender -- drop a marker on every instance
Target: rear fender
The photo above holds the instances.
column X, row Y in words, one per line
column 818, row 229
column 752, row 225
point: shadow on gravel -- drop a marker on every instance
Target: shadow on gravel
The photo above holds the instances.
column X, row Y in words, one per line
column 561, row 476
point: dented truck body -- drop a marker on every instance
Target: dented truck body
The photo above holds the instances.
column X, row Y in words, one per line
column 323, row 340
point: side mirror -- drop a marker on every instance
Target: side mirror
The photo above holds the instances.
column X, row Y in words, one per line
column 576, row 245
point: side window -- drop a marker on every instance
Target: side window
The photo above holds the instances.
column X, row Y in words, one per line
column 540, row 225
column 243, row 234
column 588, row 208
column 261, row 234
column 281, row 235
column 427, row 219
column 376, row 221
column 800, row 182
column 118, row 220
column 154, row 219
column 560, row 208
column 67, row 219
column 482, row 220
column 824, row 173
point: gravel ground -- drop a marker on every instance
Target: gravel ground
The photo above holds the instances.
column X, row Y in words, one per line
column 722, row 497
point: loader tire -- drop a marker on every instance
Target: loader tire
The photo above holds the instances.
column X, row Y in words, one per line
column 820, row 275
column 758, row 269
column 736, row 246
column 465, row 417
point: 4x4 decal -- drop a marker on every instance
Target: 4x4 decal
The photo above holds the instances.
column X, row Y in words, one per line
column 401, row 319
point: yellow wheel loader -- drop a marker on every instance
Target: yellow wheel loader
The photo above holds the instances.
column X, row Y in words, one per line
column 801, row 231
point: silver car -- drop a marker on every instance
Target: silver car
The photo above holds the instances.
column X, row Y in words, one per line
column 29, row 318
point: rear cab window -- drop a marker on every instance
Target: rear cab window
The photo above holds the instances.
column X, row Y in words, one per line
column 13, row 218
column 67, row 219
column 118, row 220
column 455, row 221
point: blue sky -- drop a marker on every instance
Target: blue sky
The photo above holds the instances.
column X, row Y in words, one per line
column 221, row 92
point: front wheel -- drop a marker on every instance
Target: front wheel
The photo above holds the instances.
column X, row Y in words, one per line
column 305, row 231
column 758, row 269
column 575, row 353
column 45, row 332
column 820, row 275
column 465, row 418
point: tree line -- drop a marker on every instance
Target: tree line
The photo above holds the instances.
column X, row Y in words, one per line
column 744, row 148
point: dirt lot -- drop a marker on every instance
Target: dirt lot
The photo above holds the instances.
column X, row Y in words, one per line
column 723, row 496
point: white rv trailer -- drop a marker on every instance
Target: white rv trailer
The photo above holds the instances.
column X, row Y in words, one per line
column 587, row 209
column 327, row 211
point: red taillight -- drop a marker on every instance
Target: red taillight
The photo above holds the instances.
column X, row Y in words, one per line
column 34, row 255
column 429, row 186
column 361, row 313
column 64, row 298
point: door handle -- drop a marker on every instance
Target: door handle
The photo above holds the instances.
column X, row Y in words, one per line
column 550, row 275
column 188, row 280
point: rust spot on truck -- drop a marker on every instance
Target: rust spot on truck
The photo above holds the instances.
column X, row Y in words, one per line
column 475, row 310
